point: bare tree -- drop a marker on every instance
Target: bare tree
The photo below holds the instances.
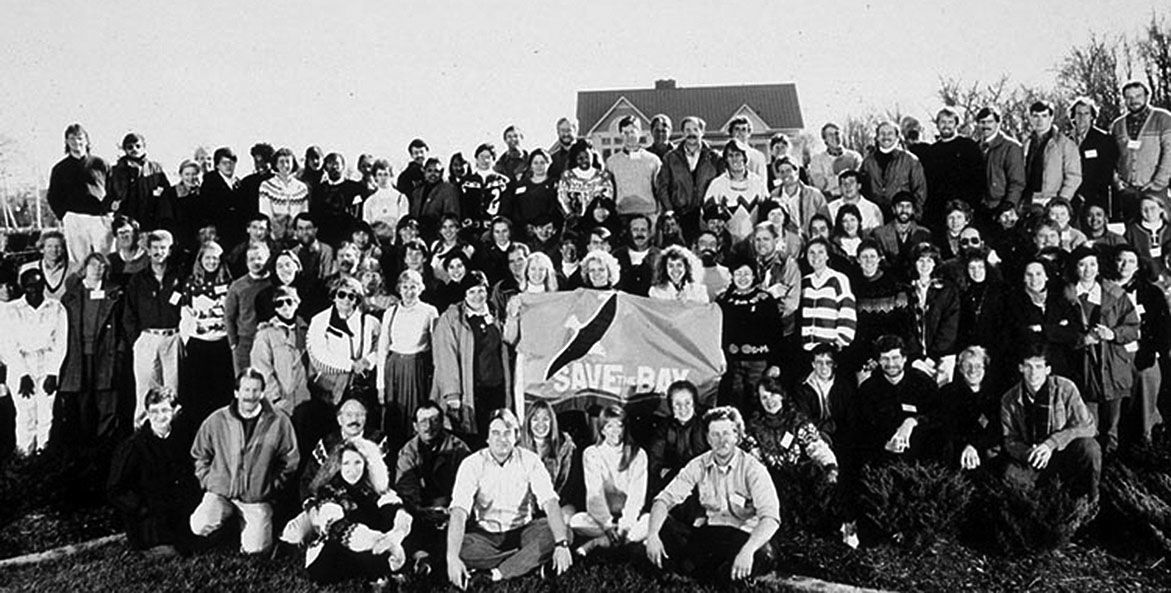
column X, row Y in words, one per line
column 1096, row 69
column 1013, row 101
column 1155, row 52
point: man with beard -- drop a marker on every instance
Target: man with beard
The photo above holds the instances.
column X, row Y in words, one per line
column 566, row 136
column 336, row 204
column 413, row 176
column 953, row 166
column 685, row 175
column 1099, row 155
column 424, row 478
column 661, row 136
column 895, row 409
column 137, row 185
column 433, row 198
column 637, row 257
column 1143, row 135
column 898, row 236
column 716, row 277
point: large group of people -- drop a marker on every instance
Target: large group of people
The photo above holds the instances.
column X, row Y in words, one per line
column 333, row 351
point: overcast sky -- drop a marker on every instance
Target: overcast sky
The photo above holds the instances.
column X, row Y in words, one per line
column 369, row 76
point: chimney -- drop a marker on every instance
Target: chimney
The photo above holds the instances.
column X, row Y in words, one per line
column 667, row 83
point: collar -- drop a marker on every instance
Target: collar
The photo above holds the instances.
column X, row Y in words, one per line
column 326, row 180
column 710, row 462
column 1093, row 292
column 888, row 150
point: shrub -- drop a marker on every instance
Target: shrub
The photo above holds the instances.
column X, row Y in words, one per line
column 914, row 504
column 1136, row 489
column 808, row 501
column 1012, row 516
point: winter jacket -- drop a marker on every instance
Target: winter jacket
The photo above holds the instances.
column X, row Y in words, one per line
column 278, row 352
column 109, row 344
column 677, row 188
column 904, row 173
column 1004, row 171
column 1061, row 173
column 1107, row 367
column 249, row 471
column 1068, row 418
column 453, row 348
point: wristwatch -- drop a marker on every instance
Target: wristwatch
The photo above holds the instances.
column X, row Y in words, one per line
column 562, row 543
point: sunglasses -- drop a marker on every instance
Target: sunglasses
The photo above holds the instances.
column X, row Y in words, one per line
column 345, row 294
column 969, row 241
column 286, row 303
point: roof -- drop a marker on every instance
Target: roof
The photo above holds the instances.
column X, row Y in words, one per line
column 776, row 104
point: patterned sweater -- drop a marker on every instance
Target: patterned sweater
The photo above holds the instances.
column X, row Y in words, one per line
column 827, row 309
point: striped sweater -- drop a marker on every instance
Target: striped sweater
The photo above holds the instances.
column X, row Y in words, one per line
column 827, row 309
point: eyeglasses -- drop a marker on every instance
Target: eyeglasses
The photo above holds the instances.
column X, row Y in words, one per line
column 345, row 294
column 286, row 302
column 970, row 241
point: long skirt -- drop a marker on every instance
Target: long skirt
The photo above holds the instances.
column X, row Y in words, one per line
column 206, row 382
column 408, row 384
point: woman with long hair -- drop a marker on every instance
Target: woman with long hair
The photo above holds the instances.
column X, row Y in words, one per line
column 129, row 256
column 615, row 471
column 405, row 368
column 358, row 522
column 539, row 278
column 542, row 435
column 676, row 278
column 847, row 233
column 936, row 304
column 532, row 197
column 206, row 380
column 449, row 242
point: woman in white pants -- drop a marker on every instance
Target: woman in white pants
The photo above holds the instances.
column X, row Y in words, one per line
column 615, row 479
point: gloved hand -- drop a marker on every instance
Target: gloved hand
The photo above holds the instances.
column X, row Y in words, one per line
column 50, row 384
column 26, row 386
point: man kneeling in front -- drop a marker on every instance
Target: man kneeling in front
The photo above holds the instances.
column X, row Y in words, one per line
column 740, row 501
column 244, row 454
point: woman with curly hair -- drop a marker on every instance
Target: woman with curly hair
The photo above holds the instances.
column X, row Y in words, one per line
column 600, row 270
column 358, row 523
column 581, row 183
column 675, row 277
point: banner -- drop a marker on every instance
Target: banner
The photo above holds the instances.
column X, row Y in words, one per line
column 612, row 346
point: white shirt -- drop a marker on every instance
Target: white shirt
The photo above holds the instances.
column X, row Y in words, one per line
column 609, row 490
column 871, row 213
column 405, row 330
column 499, row 497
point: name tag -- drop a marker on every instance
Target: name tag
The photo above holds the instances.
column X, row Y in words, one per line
column 1134, row 144
column 520, row 190
column 174, row 300
column 786, row 440
column 1156, row 251
column 221, row 289
column 97, row 295
column 1140, row 309
column 738, row 501
column 1091, row 154
column 1035, row 328
column 158, row 191
column 983, row 421
column 357, row 200
column 910, row 409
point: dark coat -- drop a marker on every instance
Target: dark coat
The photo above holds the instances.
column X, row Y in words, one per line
column 1107, row 368
column 1099, row 155
column 109, row 346
column 140, row 191
column 676, row 188
column 939, row 323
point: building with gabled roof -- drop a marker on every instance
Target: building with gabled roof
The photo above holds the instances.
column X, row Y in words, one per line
column 771, row 108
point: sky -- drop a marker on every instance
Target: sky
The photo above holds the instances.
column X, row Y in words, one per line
column 361, row 77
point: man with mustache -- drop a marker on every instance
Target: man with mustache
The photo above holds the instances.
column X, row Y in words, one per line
column 351, row 421
column 566, row 136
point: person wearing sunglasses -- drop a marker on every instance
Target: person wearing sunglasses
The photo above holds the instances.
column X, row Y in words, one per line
column 343, row 349
column 278, row 352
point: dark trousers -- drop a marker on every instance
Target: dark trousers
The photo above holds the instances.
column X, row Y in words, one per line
column 98, row 408
column 707, row 552
column 514, row 553
column 1106, row 416
column 1078, row 466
